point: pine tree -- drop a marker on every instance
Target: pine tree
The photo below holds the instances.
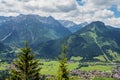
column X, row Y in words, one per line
column 25, row 67
column 63, row 73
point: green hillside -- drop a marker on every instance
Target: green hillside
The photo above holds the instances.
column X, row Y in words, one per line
column 96, row 41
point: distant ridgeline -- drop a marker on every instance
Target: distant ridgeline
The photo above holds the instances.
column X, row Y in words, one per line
column 94, row 41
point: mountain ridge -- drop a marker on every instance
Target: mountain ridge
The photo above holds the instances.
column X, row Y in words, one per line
column 73, row 27
column 31, row 28
column 93, row 41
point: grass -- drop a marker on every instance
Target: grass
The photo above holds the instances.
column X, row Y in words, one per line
column 4, row 65
column 105, row 68
column 99, row 78
column 101, row 58
column 72, row 65
column 78, row 58
column 51, row 67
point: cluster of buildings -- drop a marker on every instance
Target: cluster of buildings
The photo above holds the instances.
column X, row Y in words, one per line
column 89, row 75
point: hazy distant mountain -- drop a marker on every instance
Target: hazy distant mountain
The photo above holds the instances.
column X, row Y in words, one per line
column 72, row 26
column 94, row 41
column 4, row 19
column 67, row 23
column 77, row 27
column 33, row 28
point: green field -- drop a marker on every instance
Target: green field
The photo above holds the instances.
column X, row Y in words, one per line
column 4, row 65
column 51, row 67
column 105, row 68
column 99, row 78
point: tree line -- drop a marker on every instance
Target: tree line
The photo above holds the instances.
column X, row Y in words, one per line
column 26, row 67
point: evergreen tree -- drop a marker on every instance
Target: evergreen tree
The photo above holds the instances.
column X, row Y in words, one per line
column 63, row 73
column 25, row 67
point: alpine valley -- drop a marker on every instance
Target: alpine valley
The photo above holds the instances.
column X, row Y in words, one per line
column 93, row 41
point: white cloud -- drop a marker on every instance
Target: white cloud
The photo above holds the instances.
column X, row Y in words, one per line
column 94, row 10
column 23, row 6
column 113, row 22
column 63, row 9
column 103, row 14
column 102, row 3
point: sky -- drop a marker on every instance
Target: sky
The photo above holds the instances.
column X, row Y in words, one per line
column 78, row 11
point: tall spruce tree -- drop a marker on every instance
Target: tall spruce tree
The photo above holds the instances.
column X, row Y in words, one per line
column 25, row 67
column 63, row 73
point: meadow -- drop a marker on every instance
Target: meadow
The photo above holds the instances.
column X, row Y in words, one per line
column 50, row 67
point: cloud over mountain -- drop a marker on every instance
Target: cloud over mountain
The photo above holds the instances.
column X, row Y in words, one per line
column 74, row 10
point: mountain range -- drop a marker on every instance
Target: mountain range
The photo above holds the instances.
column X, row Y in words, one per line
column 32, row 28
column 73, row 27
column 93, row 41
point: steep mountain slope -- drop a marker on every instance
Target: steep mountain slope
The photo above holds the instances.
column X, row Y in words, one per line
column 2, row 47
column 96, row 41
column 72, row 26
column 33, row 28
column 5, row 53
